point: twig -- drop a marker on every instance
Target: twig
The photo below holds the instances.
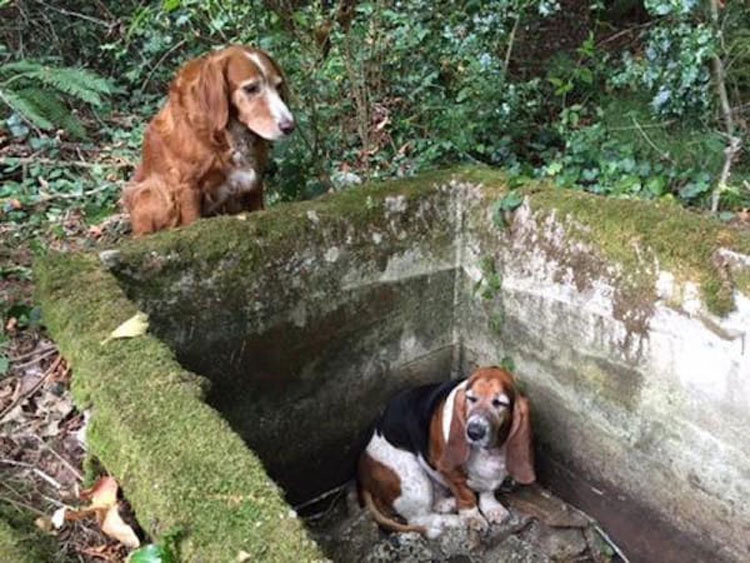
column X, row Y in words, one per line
column 31, row 391
column 73, row 163
column 158, row 63
column 511, row 40
column 66, row 463
column 65, row 12
column 51, row 480
column 624, row 32
column 32, row 353
column 664, row 155
column 321, row 496
column 60, row 195
column 20, row 504
column 40, row 357
column 726, row 111
column 730, row 152
column 611, row 543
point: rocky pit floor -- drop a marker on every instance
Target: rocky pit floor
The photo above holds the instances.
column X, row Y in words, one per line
column 541, row 528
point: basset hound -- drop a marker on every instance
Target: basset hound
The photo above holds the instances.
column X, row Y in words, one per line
column 206, row 151
column 435, row 448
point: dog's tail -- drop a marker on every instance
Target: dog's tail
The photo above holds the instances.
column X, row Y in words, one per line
column 385, row 521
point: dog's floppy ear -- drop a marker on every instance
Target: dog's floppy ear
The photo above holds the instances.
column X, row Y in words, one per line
column 519, row 449
column 213, row 94
column 284, row 91
column 456, row 450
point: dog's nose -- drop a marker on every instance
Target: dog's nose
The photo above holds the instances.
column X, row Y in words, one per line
column 286, row 126
column 476, row 431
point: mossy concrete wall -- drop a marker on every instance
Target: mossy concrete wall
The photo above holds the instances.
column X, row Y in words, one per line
column 629, row 325
column 626, row 322
column 307, row 319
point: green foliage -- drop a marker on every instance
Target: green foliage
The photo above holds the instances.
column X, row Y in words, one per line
column 37, row 93
column 628, row 153
column 383, row 88
column 674, row 68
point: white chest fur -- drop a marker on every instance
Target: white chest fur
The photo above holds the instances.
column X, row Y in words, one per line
column 485, row 469
column 244, row 175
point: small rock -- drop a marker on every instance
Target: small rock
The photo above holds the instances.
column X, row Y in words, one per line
column 557, row 544
column 109, row 258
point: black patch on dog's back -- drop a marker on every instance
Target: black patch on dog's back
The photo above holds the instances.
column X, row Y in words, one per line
column 405, row 422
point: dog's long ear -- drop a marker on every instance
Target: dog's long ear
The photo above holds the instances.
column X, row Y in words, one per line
column 456, row 450
column 284, row 91
column 519, row 448
column 213, row 94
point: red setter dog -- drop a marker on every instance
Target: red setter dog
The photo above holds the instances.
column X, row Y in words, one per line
column 205, row 152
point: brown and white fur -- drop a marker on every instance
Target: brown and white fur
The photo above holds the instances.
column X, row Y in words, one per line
column 206, row 151
column 442, row 448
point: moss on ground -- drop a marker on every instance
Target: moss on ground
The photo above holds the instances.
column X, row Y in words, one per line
column 180, row 465
column 20, row 540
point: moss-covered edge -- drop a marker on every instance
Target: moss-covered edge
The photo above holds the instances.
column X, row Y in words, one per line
column 180, row 465
column 682, row 242
column 632, row 232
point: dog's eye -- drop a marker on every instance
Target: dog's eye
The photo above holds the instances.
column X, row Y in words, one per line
column 471, row 399
column 497, row 403
column 251, row 89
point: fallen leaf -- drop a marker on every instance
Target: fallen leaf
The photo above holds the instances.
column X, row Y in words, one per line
column 44, row 523
column 114, row 526
column 103, row 494
column 137, row 325
column 58, row 518
column 103, row 504
column 243, row 556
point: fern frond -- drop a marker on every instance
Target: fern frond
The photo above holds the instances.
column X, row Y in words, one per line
column 27, row 108
column 79, row 83
column 20, row 67
column 53, row 109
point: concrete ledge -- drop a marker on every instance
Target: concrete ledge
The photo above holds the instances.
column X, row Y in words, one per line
column 178, row 461
column 626, row 320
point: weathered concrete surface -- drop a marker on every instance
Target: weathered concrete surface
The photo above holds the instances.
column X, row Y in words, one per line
column 303, row 344
column 642, row 394
column 626, row 322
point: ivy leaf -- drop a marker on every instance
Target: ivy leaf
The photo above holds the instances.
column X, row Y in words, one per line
column 694, row 189
column 656, row 185
column 4, row 364
column 508, row 364
column 152, row 553
column 510, row 202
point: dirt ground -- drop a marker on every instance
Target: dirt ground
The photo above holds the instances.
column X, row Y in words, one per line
column 541, row 528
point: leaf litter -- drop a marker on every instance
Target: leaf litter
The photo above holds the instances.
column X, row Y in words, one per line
column 42, row 453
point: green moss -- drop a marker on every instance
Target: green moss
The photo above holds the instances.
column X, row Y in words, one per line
column 635, row 233
column 178, row 462
column 742, row 281
column 20, row 540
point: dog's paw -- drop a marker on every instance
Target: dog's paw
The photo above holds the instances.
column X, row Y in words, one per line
column 445, row 505
column 474, row 520
column 497, row 514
